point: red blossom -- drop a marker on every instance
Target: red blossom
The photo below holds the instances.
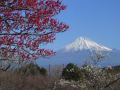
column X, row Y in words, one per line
column 26, row 24
column 63, row 7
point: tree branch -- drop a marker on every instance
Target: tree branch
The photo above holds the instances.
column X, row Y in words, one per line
column 25, row 33
column 5, row 68
column 112, row 83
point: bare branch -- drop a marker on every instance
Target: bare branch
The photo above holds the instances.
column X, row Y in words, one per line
column 111, row 83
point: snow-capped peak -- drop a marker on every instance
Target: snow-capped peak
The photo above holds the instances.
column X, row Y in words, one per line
column 85, row 44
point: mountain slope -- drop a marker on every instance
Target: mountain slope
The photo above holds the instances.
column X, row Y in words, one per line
column 80, row 50
column 85, row 44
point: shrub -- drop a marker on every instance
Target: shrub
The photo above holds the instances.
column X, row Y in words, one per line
column 32, row 69
column 71, row 72
column 15, row 81
column 43, row 71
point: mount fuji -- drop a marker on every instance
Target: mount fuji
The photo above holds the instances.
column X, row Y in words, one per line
column 85, row 44
column 79, row 51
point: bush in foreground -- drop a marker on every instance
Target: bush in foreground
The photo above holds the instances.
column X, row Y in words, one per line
column 32, row 69
column 71, row 72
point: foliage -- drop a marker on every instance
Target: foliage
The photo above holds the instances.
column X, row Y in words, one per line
column 32, row 69
column 98, row 79
column 72, row 72
column 43, row 71
column 16, row 81
column 27, row 24
column 95, row 77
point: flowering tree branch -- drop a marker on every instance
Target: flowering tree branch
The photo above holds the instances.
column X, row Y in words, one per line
column 26, row 24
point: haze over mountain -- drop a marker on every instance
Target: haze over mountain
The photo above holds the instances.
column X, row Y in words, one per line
column 80, row 50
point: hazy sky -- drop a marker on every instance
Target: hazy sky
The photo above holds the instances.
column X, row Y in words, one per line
column 98, row 20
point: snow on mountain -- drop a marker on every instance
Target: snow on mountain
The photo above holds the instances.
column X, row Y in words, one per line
column 80, row 50
column 85, row 44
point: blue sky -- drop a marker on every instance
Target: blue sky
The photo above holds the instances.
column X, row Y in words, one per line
column 98, row 20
